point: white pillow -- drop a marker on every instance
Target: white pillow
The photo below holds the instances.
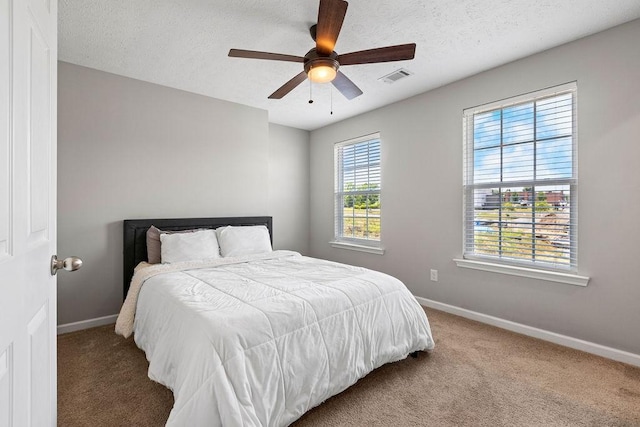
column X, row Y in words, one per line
column 198, row 245
column 245, row 240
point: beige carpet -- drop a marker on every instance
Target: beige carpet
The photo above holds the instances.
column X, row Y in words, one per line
column 478, row 375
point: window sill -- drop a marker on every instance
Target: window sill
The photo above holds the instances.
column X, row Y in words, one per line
column 552, row 276
column 356, row 247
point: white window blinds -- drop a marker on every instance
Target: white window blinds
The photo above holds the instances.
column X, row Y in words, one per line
column 520, row 181
column 357, row 190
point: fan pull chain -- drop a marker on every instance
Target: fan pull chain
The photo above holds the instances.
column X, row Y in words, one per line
column 310, row 92
column 331, row 92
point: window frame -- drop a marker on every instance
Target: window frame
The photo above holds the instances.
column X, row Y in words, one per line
column 522, row 267
column 347, row 242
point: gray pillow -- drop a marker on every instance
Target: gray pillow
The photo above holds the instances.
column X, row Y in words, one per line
column 154, row 245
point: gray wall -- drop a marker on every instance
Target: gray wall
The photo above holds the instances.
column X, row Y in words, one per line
column 289, row 187
column 130, row 149
column 422, row 192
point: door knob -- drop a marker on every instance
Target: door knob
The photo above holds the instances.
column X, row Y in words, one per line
column 70, row 264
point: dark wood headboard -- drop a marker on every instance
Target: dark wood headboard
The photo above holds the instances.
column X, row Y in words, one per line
column 135, row 235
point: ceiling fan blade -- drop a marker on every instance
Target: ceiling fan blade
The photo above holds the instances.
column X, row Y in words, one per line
column 330, row 17
column 288, row 86
column 382, row 54
column 253, row 54
column 346, row 86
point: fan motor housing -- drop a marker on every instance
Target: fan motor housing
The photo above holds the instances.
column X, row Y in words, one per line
column 313, row 59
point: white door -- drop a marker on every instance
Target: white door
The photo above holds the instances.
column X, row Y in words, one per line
column 28, row 98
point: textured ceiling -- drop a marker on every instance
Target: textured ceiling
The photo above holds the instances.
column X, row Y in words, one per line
column 184, row 44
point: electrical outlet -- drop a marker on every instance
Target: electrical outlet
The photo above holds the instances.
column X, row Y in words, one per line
column 434, row 275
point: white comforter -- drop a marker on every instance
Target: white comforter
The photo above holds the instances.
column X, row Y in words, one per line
column 259, row 343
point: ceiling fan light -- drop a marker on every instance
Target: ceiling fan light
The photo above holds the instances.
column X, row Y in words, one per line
column 322, row 74
column 321, row 70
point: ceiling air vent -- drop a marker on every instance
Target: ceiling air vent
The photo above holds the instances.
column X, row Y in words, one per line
column 396, row 75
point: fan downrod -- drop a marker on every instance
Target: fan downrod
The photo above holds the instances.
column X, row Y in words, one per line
column 313, row 31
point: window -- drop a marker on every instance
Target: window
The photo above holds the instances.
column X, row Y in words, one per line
column 520, row 183
column 357, row 192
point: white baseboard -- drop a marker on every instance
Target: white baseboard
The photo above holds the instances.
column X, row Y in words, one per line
column 575, row 343
column 86, row 324
column 586, row 346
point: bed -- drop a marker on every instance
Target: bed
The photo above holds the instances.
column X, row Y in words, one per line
column 259, row 339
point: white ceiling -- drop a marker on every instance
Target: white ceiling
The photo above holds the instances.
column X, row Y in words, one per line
column 184, row 44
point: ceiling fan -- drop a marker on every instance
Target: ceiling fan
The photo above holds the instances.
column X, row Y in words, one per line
column 321, row 64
